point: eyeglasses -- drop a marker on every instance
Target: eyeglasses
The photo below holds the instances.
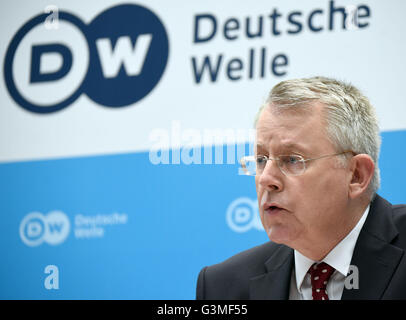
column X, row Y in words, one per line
column 290, row 165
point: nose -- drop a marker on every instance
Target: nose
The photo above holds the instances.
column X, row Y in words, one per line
column 272, row 177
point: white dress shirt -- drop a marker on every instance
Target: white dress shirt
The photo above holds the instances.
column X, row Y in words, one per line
column 339, row 258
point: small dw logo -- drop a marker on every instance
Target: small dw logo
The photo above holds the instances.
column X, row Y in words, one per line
column 242, row 215
column 116, row 59
column 37, row 228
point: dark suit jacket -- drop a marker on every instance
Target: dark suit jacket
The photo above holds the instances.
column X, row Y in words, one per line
column 264, row 272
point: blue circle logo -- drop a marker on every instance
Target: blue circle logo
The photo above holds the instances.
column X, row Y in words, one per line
column 116, row 60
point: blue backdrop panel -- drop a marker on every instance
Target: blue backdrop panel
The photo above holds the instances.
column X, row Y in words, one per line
column 160, row 223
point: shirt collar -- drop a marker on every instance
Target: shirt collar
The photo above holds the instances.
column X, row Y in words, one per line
column 339, row 257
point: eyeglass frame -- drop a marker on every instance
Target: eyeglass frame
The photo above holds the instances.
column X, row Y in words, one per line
column 277, row 159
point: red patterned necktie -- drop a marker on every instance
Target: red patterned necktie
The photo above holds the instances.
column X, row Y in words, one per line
column 320, row 274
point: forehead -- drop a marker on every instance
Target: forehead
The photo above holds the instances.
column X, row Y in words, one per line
column 301, row 129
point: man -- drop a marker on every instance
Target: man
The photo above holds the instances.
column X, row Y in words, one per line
column 316, row 174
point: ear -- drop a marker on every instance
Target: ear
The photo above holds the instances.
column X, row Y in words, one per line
column 362, row 169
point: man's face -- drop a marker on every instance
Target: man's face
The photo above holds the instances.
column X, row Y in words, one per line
column 312, row 206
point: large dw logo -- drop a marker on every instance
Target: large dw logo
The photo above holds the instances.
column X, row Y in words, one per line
column 116, row 60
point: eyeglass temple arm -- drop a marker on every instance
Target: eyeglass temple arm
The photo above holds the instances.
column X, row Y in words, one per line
column 330, row 155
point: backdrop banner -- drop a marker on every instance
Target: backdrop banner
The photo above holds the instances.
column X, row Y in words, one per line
column 122, row 125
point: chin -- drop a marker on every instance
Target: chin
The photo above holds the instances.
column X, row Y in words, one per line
column 279, row 234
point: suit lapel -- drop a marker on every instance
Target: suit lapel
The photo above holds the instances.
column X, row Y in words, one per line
column 275, row 283
column 374, row 257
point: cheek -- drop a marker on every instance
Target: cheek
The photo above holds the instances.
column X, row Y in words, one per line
column 260, row 194
column 259, row 191
column 331, row 187
column 317, row 197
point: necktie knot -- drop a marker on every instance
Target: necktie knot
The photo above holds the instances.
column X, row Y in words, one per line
column 320, row 274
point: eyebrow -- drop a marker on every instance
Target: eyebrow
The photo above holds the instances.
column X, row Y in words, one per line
column 290, row 145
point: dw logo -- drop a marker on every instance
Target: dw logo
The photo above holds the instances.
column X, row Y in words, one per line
column 116, row 60
column 242, row 215
column 52, row 228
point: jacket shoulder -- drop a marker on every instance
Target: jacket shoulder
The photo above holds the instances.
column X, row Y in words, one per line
column 230, row 278
column 399, row 212
column 396, row 222
column 399, row 219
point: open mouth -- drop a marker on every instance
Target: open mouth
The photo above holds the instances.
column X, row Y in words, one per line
column 273, row 209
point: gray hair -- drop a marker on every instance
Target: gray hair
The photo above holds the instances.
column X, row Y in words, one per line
column 351, row 120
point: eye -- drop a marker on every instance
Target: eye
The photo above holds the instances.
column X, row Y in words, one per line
column 293, row 159
column 290, row 160
column 261, row 160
